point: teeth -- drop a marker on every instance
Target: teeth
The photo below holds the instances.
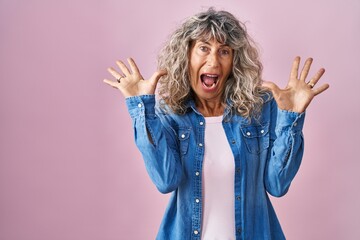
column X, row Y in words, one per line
column 212, row 85
column 212, row 75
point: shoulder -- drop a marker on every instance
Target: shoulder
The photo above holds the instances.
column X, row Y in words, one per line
column 267, row 109
column 169, row 117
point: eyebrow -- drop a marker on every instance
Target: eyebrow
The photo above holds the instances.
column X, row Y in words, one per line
column 206, row 42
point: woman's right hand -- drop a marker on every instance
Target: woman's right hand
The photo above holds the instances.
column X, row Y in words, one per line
column 131, row 83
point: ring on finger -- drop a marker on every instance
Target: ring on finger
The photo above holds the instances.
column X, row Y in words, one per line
column 119, row 78
column 311, row 85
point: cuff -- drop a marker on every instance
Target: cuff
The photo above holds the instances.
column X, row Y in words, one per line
column 290, row 120
column 141, row 105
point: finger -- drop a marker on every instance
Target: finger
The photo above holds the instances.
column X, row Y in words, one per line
column 295, row 68
column 271, row 86
column 134, row 67
column 157, row 75
column 306, row 69
column 321, row 89
column 114, row 73
column 111, row 83
column 317, row 76
column 123, row 68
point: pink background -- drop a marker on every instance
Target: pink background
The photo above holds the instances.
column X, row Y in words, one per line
column 69, row 169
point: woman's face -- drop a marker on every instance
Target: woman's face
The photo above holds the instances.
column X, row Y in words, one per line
column 210, row 66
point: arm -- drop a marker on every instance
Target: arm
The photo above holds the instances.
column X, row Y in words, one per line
column 157, row 143
column 287, row 147
column 287, row 119
column 154, row 138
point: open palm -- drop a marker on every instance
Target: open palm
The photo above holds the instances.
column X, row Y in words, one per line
column 131, row 83
column 298, row 93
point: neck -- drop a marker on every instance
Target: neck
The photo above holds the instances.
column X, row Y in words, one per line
column 209, row 108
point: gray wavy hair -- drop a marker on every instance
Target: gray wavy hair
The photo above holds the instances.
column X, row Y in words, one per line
column 242, row 88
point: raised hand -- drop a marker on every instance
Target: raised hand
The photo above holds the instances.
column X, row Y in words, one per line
column 131, row 83
column 298, row 93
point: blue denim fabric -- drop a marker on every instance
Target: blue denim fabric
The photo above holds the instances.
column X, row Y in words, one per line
column 267, row 155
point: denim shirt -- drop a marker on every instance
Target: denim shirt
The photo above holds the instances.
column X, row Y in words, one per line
column 267, row 154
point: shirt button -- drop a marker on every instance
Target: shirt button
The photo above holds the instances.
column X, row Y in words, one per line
column 200, row 145
column 197, row 200
column 295, row 124
column 139, row 105
column 233, row 141
column 196, row 232
column 248, row 133
column 182, row 135
column 238, row 198
column 201, row 123
column 262, row 131
column 238, row 229
column 238, row 170
column 197, row 173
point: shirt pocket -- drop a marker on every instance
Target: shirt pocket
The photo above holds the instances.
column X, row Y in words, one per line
column 184, row 138
column 256, row 137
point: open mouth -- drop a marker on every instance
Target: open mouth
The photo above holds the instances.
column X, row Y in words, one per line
column 209, row 81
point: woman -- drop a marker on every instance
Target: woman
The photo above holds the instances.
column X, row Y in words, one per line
column 220, row 138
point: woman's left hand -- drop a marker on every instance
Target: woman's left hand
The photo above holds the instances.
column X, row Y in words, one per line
column 298, row 94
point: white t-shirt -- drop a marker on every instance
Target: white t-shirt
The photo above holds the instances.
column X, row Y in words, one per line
column 218, row 221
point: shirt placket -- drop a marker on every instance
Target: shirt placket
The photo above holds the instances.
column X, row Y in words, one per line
column 234, row 145
column 197, row 201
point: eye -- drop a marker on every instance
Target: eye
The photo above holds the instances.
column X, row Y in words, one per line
column 204, row 48
column 224, row 52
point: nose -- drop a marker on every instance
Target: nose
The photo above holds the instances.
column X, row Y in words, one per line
column 213, row 59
